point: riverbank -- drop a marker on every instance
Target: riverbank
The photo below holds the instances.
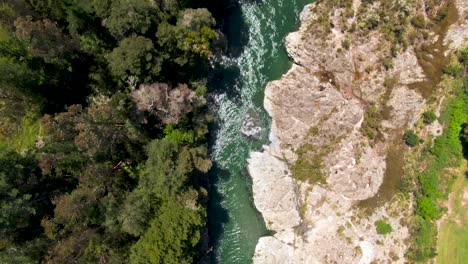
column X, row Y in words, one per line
column 330, row 136
column 255, row 56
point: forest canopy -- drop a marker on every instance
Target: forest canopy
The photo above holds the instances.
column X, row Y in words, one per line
column 103, row 130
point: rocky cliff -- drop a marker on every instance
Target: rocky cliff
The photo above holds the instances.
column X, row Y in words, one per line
column 335, row 157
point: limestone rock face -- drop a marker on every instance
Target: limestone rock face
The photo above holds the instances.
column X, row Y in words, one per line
column 321, row 103
column 457, row 34
column 407, row 69
column 280, row 211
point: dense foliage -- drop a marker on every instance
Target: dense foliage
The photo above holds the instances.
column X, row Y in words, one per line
column 446, row 152
column 103, row 125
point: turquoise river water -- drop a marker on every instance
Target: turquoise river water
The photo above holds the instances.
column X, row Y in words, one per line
column 255, row 31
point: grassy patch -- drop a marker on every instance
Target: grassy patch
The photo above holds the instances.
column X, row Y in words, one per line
column 4, row 35
column 382, row 227
column 24, row 136
column 453, row 237
column 371, row 124
column 309, row 165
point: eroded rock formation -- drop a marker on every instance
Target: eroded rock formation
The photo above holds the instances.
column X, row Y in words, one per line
column 318, row 109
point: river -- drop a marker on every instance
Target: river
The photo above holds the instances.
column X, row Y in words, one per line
column 255, row 31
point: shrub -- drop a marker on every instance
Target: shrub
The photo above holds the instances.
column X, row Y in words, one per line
column 454, row 68
column 387, row 63
column 425, row 35
column 418, row 21
column 353, row 27
column 346, row 44
column 442, row 14
column 383, row 227
column 463, row 57
column 429, row 117
column 394, row 51
column 349, row 12
column 411, row 139
column 425, row 241
column 371, row 124
column 308, row 166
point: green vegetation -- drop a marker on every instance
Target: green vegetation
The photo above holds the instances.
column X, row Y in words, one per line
column 435, row 180
column 454, row 68
column 346, row 44
column 309, row 165
column 418, row 21
column 411, row 139
column 103, row 124
column 370, row 126
column 429, row 117
column 382, row 227
column 453, row 234
column 24, row 134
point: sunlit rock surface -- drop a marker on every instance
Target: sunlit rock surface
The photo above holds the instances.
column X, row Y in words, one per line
column 322, row 102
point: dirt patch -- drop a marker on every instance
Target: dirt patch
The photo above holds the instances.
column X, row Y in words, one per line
column 392, row 178
column 432, row 57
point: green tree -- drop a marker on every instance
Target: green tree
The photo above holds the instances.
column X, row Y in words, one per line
column 44, row 39
column 71, row 248
column 102, row 7
column 167, row 169
column 135, row 56
column 189, row 39
column 138, row 209
column 171, row 238
column 99, row 130
column 18, row 179
column 78, row 208
column 54, row 10
column 18, row 81
column 129, row 17
column 24, row 253
column 196, row 19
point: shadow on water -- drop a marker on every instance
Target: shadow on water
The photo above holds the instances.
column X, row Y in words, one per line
column 253, row 57
column 223, row 79
column 236, row 31
column 217, row 215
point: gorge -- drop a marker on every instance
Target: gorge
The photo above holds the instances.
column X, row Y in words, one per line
column 256, row 55
column 335, row 165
